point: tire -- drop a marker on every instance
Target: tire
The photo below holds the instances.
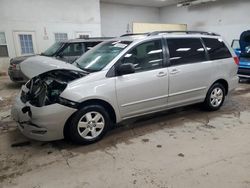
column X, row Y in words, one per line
column 89, row 124
column 215, row 97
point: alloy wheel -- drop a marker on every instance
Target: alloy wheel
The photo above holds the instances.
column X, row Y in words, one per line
column 216, row 97
column 91, row 125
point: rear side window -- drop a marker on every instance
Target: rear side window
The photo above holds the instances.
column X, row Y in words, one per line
column 216, row 48
column 186, row 50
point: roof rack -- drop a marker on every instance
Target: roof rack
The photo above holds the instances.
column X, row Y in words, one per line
column 133, row 34
column 93, row 38
column 187, row 32
column 161, row 32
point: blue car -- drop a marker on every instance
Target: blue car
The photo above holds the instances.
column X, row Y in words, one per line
column 242, row 49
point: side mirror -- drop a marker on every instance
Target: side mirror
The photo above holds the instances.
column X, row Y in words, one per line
column 127, row 68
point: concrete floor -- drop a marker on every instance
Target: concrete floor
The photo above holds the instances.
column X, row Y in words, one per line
column 186, row 147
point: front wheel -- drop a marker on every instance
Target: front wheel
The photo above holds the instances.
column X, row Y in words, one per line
column 89, row 124
column 215, row 97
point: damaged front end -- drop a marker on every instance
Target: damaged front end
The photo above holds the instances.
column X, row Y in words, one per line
column 46, row 88
column 39, row 110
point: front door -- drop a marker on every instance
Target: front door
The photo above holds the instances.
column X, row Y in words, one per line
column 146, row 90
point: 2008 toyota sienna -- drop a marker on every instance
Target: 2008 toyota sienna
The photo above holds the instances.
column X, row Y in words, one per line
column 123, row 78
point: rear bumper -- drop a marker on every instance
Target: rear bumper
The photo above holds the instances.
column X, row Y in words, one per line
column 41, row 123
column 233, row 83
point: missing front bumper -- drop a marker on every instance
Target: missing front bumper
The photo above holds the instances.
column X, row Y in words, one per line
column 45, row 124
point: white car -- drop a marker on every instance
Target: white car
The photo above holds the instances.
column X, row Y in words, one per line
column 123, row 78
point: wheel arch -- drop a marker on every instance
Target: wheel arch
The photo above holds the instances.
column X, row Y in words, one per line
column 222, row 82
column 103, row 103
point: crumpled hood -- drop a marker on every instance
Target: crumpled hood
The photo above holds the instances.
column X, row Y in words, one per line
column 34, row 66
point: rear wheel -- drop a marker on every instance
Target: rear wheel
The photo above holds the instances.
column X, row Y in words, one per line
column 89, row 124
column 215, row 97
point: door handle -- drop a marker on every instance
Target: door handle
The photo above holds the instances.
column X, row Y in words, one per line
column 175, row 71
column 161, row 74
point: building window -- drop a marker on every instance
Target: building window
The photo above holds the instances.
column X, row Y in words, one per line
column 3, row 46
column 26, row 44
column 61, row 37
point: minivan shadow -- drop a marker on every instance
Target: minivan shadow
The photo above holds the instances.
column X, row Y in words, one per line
column 125, row 132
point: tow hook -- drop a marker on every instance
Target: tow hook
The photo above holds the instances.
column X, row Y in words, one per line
column 27, row 109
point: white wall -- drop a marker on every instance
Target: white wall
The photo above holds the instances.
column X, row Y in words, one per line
column 226, row 17
column 54, row 15
column 115, row 17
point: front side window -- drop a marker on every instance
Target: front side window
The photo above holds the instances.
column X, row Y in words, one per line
column 26, row 44
column 100, row 56
column 146, row 56
column 186, row 50
column 73, row 49
column 216, row 48
column 3, row 45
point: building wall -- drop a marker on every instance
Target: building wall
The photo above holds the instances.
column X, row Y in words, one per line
column 116, row 18
column 226, row 17
column 48, row 16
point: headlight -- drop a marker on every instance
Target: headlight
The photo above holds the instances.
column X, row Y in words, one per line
column 68, row 103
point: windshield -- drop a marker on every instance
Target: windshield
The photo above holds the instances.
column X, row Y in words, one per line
column 53, row 49
column 97, row 58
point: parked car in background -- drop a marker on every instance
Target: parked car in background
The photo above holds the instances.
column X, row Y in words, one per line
column 236, row 46
column 242, row 49
column 67, row 51
column 126, row 77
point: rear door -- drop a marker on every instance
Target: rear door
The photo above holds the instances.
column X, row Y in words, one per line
column 146, row 90
column 189, row 71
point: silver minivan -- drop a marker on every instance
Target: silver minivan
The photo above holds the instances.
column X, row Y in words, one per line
column 126, row 77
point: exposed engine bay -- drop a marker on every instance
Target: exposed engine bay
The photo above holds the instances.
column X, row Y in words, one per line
column 245, row 44
column 45, row 89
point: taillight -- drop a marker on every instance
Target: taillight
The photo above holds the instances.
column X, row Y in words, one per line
column 236, row 60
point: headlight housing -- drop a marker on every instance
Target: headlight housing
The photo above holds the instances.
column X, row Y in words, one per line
column 68, row 103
